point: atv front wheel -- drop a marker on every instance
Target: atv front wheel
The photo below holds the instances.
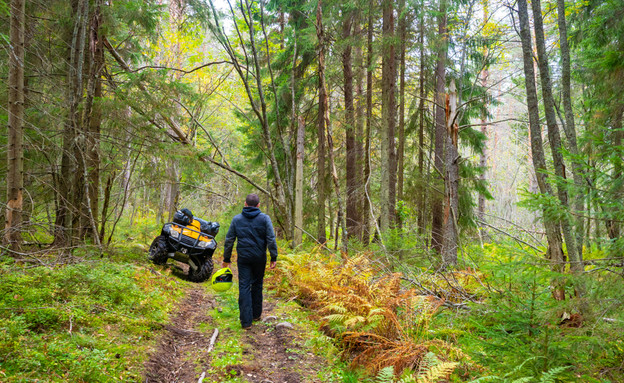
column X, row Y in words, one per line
column 158, row 251
column 202, row 273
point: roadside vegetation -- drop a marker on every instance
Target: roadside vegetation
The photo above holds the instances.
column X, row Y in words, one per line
column 365, row 318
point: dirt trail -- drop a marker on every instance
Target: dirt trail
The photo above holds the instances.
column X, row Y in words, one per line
column 276, row 356
column 181, row 339
column 271, row 353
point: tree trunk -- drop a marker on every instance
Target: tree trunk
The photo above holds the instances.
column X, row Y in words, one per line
column 300, row 151
column 324, row 101
column 553, row 234
column 360, row 137
column 105, row 204
column 256, row 96
column 451, row 209
column 440, row 131
column 298, row 234
column 173, row 191
column 15, row 144
column 320, row 164
column 366, row 210
column 353, row 212
column 553, row 130
column 483, row 158
column 612, row 222
column 70, row 188
column 387, row 200
column 80, row 215
column 401, row 133
column 279, row 185
column 422, row 195
column 570, row 132
column 92, row 119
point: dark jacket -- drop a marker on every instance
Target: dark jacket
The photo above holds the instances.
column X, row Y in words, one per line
column 255, row 234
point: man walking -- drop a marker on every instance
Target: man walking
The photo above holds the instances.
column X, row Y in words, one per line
column 255, row 234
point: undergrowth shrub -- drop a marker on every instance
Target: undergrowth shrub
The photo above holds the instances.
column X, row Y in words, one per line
column 374, row 320
column 82, row 322
column 518, row 332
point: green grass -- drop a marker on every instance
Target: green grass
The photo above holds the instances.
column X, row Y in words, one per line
column 95, row 321
column 517, row 331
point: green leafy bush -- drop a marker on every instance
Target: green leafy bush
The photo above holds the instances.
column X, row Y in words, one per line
column 84, row 322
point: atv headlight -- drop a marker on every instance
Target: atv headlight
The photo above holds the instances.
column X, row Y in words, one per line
column 174, row 233
column 204, row 244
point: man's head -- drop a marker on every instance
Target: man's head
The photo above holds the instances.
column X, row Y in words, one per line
column 252, row 200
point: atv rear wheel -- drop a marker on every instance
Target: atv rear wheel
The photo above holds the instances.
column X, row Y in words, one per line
column 201, row 274
column 158, row 251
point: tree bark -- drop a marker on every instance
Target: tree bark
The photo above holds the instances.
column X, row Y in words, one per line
column 553, row 130
column 360, row 137
column 553, row 234
column 617, row 133
column 320, row 163
column 401, row 133
column 298, row 234
column 92, row 119
column 264, row 118
column 483, row 158
column 300, row 151
column 422, row 195
column 70, row 188
column 440, row 130
column 570, row 132
column 353, row 213
column 366, row 211
column 388, row 112
column 324, row 101
column 15, row 144
column 256, row 97
column 451, row 209
column 80, row 216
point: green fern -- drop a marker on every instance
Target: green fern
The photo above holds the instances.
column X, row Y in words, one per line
column 408, row 379
column 428, row 361
column 438, row 372
column 489, row 378
column 519, row 367
column 550, row 375
column 385, row 375
column 547, row 377
column 336, row 318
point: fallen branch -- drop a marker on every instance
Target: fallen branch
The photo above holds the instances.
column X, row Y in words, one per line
column 122, row 63
column 215, row 334
column 201, row 378
column 178, row 69
column 313, row 237
column 241, row 175
column 510, row 235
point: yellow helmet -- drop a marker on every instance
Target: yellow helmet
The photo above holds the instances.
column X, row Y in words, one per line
column 222, row 280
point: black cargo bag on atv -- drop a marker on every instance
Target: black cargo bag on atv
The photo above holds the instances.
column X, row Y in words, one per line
column 189, row 240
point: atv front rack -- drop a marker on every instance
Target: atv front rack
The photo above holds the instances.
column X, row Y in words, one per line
column 194, row 239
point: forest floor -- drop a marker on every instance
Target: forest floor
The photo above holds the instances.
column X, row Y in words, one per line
column 274, row 350
column 120, row 318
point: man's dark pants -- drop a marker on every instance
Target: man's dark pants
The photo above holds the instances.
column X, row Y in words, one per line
column 250, row 278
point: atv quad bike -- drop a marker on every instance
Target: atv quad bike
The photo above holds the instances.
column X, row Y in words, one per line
column 188, row 240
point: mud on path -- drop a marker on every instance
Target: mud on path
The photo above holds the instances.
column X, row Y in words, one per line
column 272, row 352
column 182, row 345
column 275, row 354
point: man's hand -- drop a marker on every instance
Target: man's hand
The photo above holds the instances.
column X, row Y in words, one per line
column 226, row 265
column 273, row 263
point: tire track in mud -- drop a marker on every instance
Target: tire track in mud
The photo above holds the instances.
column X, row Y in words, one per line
column 274, row 354
column 182, row 346
column 271, row 353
